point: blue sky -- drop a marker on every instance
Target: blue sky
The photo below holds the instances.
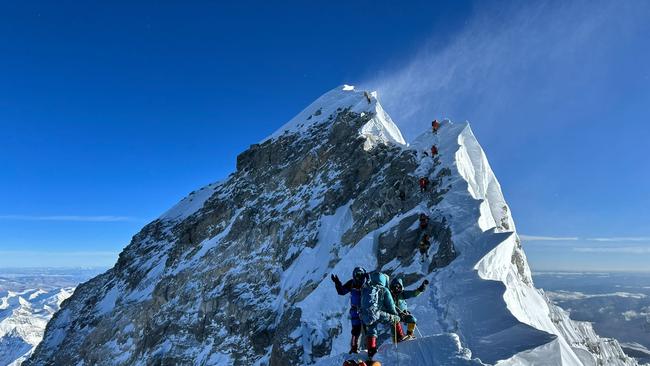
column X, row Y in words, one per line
column 111, row 113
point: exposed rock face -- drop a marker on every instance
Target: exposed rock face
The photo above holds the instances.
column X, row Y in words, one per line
column 237, row 272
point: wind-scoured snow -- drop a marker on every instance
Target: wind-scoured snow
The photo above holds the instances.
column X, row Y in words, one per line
column 190, row 204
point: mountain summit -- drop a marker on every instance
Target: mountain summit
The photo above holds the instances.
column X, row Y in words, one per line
column 380, row 128
column 237, row 273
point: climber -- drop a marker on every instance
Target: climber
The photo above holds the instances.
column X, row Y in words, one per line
column 424, row 246
column 434, row 150
column 353, row 287
column 365, row 94
column 424, row 221
column 435, row 125
column 424, row 181
column 377, row 306
column 400, row 296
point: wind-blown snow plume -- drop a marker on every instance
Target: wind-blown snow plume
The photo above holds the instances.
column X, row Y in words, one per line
column 541, row 52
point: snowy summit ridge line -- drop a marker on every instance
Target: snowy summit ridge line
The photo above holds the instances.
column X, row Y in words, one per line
column 237, row 273
column 380, row 128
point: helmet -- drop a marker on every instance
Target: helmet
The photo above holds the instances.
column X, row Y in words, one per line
column 379, row 279
column 359, row 274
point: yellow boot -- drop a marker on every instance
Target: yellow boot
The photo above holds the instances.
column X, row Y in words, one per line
column 410, row 327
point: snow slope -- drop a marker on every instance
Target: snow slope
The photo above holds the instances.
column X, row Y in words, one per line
column 238, row 272
column 23, row 316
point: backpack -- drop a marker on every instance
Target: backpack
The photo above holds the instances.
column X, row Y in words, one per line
column 371, row 295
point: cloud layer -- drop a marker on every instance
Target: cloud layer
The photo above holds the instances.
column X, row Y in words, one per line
column 547, row 238
column 75, row 218
column 620, row 239
column 603, row 245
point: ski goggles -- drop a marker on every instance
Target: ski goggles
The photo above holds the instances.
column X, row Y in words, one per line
column 397, row 288
column 360, row 276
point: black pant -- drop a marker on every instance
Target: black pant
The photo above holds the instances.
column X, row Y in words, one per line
column 356, row 330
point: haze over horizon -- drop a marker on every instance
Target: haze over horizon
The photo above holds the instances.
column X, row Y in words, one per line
column 111, row 119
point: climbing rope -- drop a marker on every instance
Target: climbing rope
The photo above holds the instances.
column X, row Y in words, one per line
column 395, row 341
column 418, row 329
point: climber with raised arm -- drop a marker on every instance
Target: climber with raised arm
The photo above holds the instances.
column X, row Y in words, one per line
column 377, row 306
column 353, row 287
column 424, row 246
column 399, row 297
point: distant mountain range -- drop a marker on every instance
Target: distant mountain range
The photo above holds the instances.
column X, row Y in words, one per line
column 618, row 304
column 23, row 317
column 28, row 299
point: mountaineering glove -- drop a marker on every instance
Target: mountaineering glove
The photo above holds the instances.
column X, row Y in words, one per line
column 395, row 319
column 423, row 286
column 336, row 280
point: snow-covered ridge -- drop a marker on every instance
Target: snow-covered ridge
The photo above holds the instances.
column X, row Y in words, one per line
column 23, row 316
column 238, row 272
column 380, row 128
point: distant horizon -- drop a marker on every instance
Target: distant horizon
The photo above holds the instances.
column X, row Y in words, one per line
column 589, row 271
column 533, row 271
column 54, row 268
